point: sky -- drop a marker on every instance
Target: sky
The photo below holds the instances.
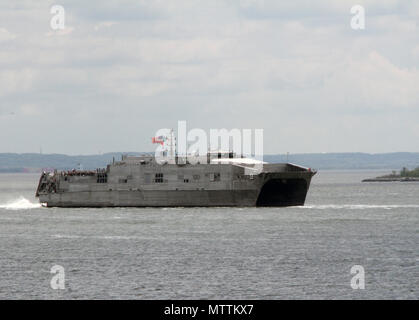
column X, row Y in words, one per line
column 121, row 70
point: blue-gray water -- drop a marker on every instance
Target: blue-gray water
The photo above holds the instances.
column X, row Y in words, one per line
column 201, row 253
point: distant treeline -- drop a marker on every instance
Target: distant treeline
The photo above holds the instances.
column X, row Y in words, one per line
column 337, row 161
column 404, row 173
column 410, row 173
column 13, row 162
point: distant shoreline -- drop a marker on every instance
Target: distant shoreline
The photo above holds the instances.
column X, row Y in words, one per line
column 402, row 179
column 34, row 162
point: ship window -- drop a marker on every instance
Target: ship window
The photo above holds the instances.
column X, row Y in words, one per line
column 102, row 178
column 196, row 176
column 215, row 176
column 186, row 180
column 121, row 180
column 158, row 178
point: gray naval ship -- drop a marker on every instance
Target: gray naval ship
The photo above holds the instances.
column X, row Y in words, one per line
column 220, row 179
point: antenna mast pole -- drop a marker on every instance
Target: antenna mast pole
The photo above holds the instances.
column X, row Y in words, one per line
column 171, row 143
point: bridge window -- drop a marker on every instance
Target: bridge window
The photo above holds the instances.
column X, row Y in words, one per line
column 158, row 178
column 102, row 178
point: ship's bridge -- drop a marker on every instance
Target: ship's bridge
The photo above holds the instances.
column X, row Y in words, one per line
column 220, row 154
column 211, row 157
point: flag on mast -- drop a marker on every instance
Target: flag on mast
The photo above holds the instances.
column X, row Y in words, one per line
column 159, row 139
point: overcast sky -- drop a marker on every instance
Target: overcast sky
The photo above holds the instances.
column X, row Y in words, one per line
column 121, row 70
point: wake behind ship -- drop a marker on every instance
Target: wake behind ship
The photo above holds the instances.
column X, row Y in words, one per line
column 221, row 179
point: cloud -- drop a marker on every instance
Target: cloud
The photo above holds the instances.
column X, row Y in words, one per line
column 5, row 35
column 106, row 24
column 295, row 69
column 60, row 32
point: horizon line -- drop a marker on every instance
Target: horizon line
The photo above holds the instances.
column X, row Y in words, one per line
column 148, row 152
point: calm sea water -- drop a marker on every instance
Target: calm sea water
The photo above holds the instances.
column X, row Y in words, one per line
column 216, row 253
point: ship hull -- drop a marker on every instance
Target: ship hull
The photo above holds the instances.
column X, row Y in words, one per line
column 272, row 194
column 190, row 198
column 128, row 186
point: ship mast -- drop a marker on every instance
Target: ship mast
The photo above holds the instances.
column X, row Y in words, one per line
column 172, row 146
column 171, row 143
